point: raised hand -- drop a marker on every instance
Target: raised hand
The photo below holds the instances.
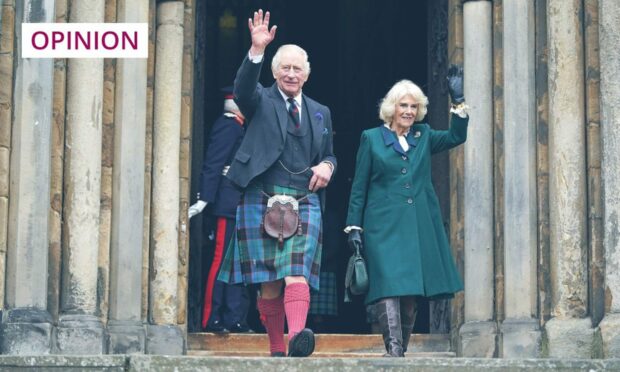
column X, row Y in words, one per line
column 260, row 32
column 455, row 84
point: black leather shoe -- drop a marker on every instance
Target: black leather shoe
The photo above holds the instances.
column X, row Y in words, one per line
column 216, row 327
column 302, row 344
column 240, row 328
column 278, row 354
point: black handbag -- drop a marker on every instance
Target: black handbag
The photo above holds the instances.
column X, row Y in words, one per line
column 356, row 278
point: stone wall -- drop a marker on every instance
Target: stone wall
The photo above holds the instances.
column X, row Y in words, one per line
column 115, row 144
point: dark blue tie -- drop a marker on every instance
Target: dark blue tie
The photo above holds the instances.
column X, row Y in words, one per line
column 294, row 112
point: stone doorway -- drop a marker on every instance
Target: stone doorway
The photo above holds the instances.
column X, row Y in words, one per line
column 357, row 50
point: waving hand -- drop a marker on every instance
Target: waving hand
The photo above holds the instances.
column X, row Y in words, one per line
column 261, row 34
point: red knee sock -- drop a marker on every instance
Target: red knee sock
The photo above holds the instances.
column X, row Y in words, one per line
column 272, row 315
column 296, row 304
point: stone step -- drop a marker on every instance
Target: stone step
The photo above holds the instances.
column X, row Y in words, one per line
column 332, row 344
column 139, row 363
column 318, row 354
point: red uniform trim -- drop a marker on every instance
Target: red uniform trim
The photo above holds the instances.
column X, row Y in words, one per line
column 218, row 256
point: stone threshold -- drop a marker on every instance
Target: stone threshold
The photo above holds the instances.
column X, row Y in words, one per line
column 195, row 363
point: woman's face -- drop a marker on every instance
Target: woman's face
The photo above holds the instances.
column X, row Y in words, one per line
column 405, row 113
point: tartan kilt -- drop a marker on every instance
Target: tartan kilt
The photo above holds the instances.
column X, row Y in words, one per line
column 325, row 301
column 254, row 257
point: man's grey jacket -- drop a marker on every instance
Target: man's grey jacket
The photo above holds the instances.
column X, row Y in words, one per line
column 266, row 121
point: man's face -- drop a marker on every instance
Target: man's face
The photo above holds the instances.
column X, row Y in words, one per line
column 290, row 74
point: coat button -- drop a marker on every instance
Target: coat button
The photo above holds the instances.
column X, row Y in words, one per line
column 404, row 157
column 403, row 171
column 409, row 201
column 407, row 186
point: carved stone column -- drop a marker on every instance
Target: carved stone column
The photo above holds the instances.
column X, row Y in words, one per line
column 163, row 334
column 478, row 334
column 520, row 330
column 569, row 333
column 26, row 324
column 125, row 328
column 609, row 29
column 79, row 330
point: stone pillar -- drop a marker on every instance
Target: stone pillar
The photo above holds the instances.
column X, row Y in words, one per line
column 79, row 330
column 478, row 334
column 609, row 29
column 125, row 328
column 26, row 324
column 520, row 330
column 7, row 26
column 569, row 333
column 163, row 335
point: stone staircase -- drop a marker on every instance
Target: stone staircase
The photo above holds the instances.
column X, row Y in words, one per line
column 327, row 345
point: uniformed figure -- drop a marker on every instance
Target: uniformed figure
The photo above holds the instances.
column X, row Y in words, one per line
column 225, row 305
column 394, row 202
column 287, row 150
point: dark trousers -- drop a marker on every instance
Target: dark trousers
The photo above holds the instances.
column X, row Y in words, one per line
column 224, row 302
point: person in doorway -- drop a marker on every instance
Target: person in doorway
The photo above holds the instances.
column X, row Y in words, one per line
column 393, row 204
column 285, row 161
column 225, row 306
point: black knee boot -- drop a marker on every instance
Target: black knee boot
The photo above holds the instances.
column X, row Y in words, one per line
column 408, row 311
column 388, row 310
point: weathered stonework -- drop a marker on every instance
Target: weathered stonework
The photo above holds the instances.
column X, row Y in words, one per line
column 25, row 332
column 477, row 340
column 79, row 331
column 7, row 14
column 79, row 334
column 593, row 137
column 609, row 30
column 542, row 164
column 126, row 337
column 609, row 330
column 520, row 338
column 148, row 158
column 164, row 340
column 478, row 183
column 26, row 266
column 107, row 161
column 57, row 174
column 455, row 55
column 166, row 149
column 128, row 185
column 568, row 338
column 498, row 156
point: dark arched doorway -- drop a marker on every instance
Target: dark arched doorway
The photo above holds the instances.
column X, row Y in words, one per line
column 357, row 50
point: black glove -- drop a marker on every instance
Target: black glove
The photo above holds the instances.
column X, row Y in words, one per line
column 355, row 240
column 455, row 84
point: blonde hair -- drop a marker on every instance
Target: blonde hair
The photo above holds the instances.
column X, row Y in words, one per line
column 396, row 93
column 275, row 61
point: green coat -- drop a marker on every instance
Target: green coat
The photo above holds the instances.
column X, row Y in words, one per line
column 393, row 200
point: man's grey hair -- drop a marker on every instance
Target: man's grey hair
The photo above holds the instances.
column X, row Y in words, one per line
column 275, row 61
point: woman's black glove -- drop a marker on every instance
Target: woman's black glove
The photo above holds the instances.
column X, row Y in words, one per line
column 455, row 84
column 355, row 240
